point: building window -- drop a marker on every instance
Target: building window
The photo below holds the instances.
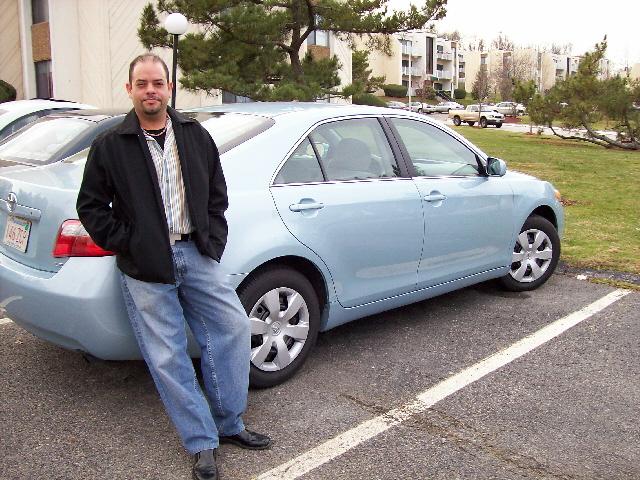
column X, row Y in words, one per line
column 44, row 80
column 39, row 11
column 439, row 49
column 318, row 37
column 228, row 97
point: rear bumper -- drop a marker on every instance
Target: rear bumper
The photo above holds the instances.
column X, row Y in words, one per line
column 79, row 308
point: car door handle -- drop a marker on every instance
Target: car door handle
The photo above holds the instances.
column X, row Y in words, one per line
column 434, row 198
column 300, row 207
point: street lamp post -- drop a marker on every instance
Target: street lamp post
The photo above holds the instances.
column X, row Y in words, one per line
column 410, row 54
column 176, row 24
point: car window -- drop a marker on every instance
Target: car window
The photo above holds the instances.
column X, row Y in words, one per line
column 40, row 141
column 434, row 152
column 354, row 149
column 301, row 167
column 18, row 123
column 229, row 130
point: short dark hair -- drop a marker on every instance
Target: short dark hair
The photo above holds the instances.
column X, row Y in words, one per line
column 146, row 57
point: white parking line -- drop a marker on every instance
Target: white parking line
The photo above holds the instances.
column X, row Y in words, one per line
column 335, row 447
column 4, row 320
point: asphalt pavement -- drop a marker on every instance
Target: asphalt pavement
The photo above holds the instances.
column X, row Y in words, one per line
column 567, row 409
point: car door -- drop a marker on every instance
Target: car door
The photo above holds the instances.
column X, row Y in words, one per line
column 468, row 226
column 342, row 194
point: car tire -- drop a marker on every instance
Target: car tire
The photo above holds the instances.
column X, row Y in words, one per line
column 471, row 124
column 535, row 255
column 498, row 125
column 483, row 122
column 456, row 121
column 419, row 110
column 276, row 356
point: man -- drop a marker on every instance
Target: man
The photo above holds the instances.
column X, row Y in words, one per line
column 154, row 193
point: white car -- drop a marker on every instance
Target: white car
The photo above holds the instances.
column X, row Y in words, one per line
column 442, row 107
column 17, row 114
column 510, row 108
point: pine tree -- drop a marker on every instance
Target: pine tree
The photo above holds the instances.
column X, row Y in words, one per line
column 252, row 48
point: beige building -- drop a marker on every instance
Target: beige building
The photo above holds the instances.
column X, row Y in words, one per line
column 80, row 50
column 634, row 72
column 418, row 60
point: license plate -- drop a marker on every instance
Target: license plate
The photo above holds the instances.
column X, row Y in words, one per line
column 16, row 234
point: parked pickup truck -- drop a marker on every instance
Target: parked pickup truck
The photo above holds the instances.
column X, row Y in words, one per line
column 471, row 115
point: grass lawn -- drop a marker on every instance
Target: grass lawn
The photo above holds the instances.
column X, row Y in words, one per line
column 600, row 190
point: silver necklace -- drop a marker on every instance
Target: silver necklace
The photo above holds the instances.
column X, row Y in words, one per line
column 161, row 132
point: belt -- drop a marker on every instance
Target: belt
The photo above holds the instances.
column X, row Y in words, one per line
column 179, row 237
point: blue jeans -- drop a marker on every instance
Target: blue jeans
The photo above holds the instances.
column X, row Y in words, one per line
column 202, row 297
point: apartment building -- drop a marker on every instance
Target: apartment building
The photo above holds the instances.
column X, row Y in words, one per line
column 545, row 68
column 80, row 50
column 418, row 60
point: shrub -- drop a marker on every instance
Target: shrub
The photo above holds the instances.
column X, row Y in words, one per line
column 7, row 92
column 367, row 99
column 394, row 90
column 429, row 93
column 459, row 93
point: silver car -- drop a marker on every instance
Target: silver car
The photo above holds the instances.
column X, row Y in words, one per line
column 336, row 213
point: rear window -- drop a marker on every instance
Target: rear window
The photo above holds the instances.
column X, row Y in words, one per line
column 40, row 141
column 231, row 129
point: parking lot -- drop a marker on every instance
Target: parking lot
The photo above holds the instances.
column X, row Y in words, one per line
column 567, row 409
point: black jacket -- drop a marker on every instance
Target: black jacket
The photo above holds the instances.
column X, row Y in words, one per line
column 120, row 204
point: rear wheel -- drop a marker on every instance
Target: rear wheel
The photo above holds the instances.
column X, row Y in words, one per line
column 285, row 318
column 483, row 122
column 471, row 124
column 456, row 121
column 535, row 255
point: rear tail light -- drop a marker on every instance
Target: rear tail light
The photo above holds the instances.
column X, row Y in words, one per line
column 74, row 241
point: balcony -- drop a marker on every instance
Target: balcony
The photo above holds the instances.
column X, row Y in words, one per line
column 414, row 71
column 413, row 51
column 444, row 56
column 443, row 74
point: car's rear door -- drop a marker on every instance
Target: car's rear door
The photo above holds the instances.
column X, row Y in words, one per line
column 342, row 193
column 468, row 216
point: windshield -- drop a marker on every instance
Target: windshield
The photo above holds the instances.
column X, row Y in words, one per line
column 231, row 129
column 228, row 130
column 40, row 141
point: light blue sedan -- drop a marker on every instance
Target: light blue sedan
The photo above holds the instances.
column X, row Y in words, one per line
column 336, row 213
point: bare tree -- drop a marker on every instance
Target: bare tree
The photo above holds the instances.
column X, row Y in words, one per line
column 502, row 42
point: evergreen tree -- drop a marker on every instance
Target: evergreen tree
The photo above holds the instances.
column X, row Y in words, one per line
column 252, row 48
column 584, row 99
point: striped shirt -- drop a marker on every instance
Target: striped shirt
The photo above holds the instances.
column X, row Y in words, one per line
column 167, row 163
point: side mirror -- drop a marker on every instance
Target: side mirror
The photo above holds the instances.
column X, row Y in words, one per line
column 496, row 167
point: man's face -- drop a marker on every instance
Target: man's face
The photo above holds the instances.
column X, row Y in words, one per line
column 149, row 89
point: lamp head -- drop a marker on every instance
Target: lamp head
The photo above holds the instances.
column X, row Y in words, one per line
column 176, row 24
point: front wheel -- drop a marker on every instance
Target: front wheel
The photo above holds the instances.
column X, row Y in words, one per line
column 285, row 318
column 471, row 124
column 535, row 255
column 456, row 121
column 498, row 125
column 483, row 122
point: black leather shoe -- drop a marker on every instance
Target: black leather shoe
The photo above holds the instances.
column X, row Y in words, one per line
column 248, row 439
column 205, row 467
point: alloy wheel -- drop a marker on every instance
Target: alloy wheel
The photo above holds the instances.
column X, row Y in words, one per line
column 279, row 328
column 532, row 256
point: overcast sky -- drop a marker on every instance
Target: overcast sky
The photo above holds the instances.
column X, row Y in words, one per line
column 542, row 22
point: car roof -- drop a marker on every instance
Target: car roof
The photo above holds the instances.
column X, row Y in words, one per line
column 39, row 104
column 274, row 109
